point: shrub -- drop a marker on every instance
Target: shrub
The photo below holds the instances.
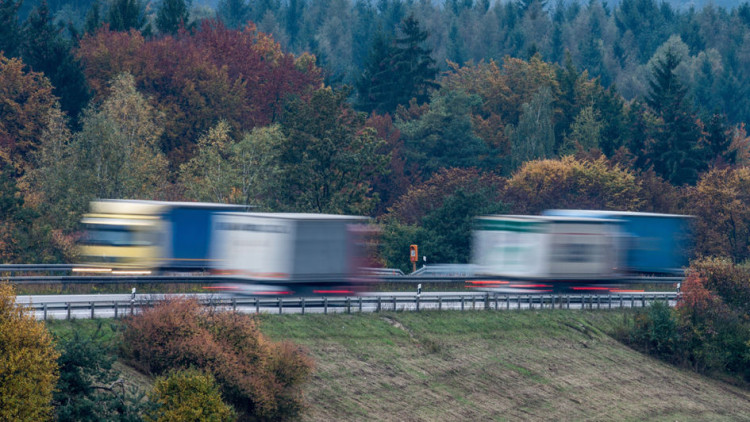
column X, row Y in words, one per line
column 188, row 395
column 28, row 362
column 89, row 389
column 259, row 378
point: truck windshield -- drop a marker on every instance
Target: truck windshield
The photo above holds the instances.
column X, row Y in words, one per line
column 112, row 235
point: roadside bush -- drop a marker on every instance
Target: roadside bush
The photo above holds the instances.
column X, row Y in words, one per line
column 655, row 330
column 709, row 330
column 89, row 389
column 258, row 377
column 186, row 396
column 28, row 362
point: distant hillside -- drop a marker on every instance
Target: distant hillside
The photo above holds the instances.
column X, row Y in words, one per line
column 493, row 366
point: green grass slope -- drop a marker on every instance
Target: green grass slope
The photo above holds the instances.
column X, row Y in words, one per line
column 483, row 365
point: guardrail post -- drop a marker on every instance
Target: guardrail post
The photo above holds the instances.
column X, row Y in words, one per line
column 598, row 302
column 507, row 302
column 348, row 305
column 462, row 303
column 473, row 303
column 360, row 304
column 620, row 301
column 486, row 301
column 325, row 305
column 567, row 300
column 609, row 306
column 45, row 312
column 92, row 309
column 518, row 302
column 394, row 303
column 302, row 305
column 234, row 304
column 531, row 304
column 380, row 302
column 281, row 306
column 257, row 305
column 440, row 303
column 68, row 310
column 643, row 301
column 417, row 303
column 116, row 309
column 496, row 308
column 132, row 306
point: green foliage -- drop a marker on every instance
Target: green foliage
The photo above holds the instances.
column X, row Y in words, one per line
column 124, row 15
column 10, row 31
column 45, row 49
column 172, row 14
column 399, row 72
column 327, row 156
column 534, row 137
column 261, row 379
column 89, row 389
column 709, row 330
column 675, row 153
column 188, row 395
column 443, row 136
column 438, row 217
column 115, row 155
column 28, row 368
column 234, row 13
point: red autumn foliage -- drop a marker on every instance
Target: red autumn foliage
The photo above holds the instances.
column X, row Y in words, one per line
column 395, row 183
column 262, row 379
column 422, row 199
column 198, row 78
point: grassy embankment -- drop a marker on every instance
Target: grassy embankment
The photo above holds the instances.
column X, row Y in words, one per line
column 533, row 365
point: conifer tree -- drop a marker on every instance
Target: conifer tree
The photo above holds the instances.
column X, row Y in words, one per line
column 46, row 50
column 234, row 13
column 126, row 14
column 10, row 31
column 398, row 72
column 171, row 15
column 675, row 154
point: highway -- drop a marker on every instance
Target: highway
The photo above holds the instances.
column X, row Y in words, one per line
column 118, row 305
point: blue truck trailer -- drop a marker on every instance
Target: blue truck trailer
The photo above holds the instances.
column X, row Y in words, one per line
column 651, row 243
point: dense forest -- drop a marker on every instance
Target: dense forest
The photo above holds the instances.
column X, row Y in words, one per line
column 420, row 114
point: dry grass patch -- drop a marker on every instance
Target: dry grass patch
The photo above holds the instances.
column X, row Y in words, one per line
column 493, row 366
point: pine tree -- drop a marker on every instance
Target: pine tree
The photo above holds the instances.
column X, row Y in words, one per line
column 10, row 31
column 126, row 14
column 46, row 50
column 398, row 72
column 371, row 86
column 675, row 153
column 412, row 65
column 234, row 13
column 171, row 15
column 93, row 18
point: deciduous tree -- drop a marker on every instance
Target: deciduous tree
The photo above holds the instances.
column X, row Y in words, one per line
column 28, row 368
column 328, row 157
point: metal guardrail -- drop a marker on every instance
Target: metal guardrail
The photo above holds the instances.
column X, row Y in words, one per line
column 14, row 268
column 118, row 309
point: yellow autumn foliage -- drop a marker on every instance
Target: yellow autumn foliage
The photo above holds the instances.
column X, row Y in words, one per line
column 28, row 362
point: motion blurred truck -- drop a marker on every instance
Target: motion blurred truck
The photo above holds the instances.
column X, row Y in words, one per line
column 135, row 235
column 290, row 253
column 652, row 243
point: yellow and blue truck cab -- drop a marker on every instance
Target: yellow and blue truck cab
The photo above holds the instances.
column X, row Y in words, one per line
column 149, row 235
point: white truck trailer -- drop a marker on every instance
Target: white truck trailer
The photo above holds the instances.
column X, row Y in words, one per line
column 292, row 253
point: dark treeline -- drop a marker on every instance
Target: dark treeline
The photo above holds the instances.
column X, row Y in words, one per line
column 615, row 43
